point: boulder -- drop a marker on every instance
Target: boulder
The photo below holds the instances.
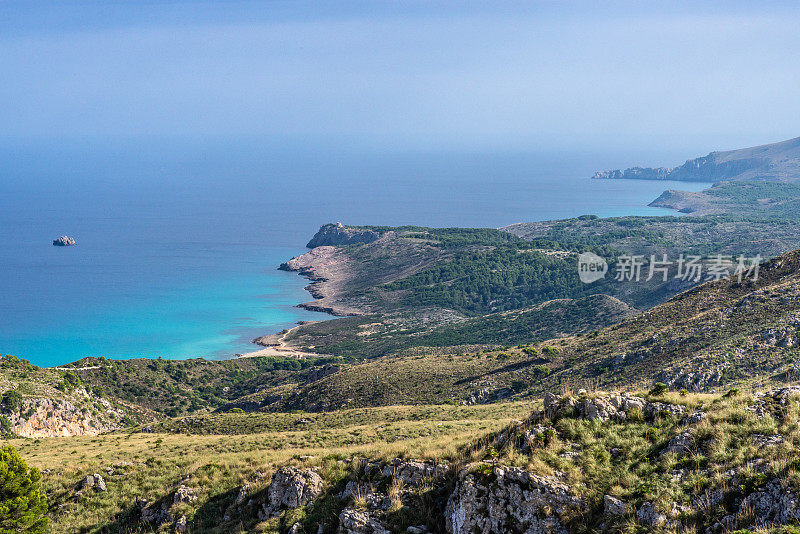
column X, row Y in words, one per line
column 353, row 521
column 91, row 482
column 683, row 443
column 613, row 506
column 649, row 516
column 291, row 488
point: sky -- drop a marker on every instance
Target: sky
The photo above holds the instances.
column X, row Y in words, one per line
column 693, row 76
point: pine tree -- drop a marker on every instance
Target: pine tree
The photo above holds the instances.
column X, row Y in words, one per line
column 23, row 505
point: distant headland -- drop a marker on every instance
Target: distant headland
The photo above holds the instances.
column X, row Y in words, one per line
column 779, row 162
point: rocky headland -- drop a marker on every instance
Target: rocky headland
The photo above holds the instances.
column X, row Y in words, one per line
column 776, row 162
column 337, row 234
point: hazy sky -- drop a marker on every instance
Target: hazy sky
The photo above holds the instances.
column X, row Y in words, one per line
column 411, row 74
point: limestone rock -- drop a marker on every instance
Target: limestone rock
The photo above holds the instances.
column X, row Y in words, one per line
column 511, row 500
column 683, row 443
column 648, row 515
column 353, row 521
column 613, row 506
column 604, row 407
column 183, row 494
column 291, row 488
column 91, row 482
column 773, row 505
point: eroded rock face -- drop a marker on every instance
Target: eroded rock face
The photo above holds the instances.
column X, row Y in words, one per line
column 44, row 418
column 338, row 234
column 291, row 488
column 508, row 500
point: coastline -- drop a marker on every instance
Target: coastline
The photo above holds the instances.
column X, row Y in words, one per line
column 275, row 345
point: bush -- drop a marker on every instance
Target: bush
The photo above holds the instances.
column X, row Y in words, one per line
column 659, row 388
column 12, row 400
column 550, row 351
column 5, row 426
column 236, row 410
column 23, row 504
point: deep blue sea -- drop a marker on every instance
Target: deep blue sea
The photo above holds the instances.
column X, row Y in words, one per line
column 179, row 241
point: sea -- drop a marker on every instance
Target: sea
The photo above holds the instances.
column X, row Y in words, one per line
column 178, row 241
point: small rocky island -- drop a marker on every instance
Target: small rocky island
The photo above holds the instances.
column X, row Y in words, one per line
column 63, row 241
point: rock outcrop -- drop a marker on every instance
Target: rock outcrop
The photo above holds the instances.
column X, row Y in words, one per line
column 509, row 500
column 290, row 488
column 337, row 234
column 607, row 406
column 63, row 241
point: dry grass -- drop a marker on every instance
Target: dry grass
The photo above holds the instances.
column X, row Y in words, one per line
column 213, row 465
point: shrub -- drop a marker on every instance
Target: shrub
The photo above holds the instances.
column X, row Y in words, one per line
column 12, row 400
column 236, row 410
column 541, row 370
column 23, row 504
column 5, row 426
column 659, row 388
column 550, row 351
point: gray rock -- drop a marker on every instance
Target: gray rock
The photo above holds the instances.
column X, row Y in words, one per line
column 649, row 516
column 291, row 488
column 613, row 506
column 183, row 494
column 513, row 500
column 91, row 482
column 357, row 522
column 773, row 505
column 683, row 443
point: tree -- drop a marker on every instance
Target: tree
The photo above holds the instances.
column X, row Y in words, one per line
column 12, row 400
column 23, row 505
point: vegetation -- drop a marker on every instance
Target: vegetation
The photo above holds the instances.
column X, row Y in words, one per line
column 23, row 504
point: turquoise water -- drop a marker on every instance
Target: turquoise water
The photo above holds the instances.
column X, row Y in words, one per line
column 178, row 243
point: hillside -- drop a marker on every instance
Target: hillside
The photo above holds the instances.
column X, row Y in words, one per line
column 774, row 162
column 581, row 462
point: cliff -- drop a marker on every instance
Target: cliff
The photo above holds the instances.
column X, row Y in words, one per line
column 337, row 234
column 774, row 162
